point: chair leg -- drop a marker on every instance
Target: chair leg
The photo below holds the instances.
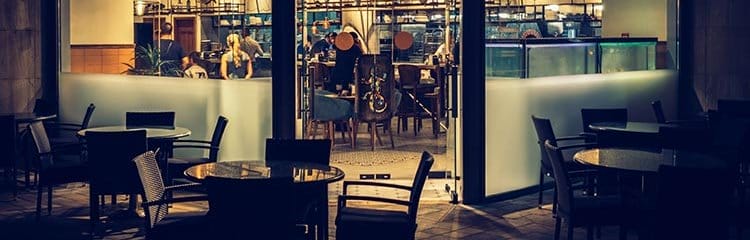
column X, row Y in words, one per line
column 38, row 202
column 541, row 189
column 350, row 126
column 570, row 229
column 557, row 227
column 373, row 131
column 377, row 135
column 49, row 200
column 113, row 199
column 554, row 200
column 355, row 130
column 93, row 211
column 390, row 134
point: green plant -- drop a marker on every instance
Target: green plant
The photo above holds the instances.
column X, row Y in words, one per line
column 148, row 62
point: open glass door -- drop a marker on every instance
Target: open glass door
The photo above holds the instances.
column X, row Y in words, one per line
column 342, row 46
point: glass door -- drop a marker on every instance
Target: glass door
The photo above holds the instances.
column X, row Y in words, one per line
column 378, row 78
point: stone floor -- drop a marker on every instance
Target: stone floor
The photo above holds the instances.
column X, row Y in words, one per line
column 512, row 219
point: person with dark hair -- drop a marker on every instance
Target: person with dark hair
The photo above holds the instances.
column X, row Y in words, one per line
column 324, row 44
column 194, row 67
column 170, row 51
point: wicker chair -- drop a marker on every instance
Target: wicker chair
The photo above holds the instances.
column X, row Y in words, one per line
column 179, row 165
column 65, row 133
column 365, row 223
column 56, row 166
column 159, row 225
column 151, row 119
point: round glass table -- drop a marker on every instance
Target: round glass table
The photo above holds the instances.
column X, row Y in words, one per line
column 646, row 160
column 301, row 172
column 151, row 132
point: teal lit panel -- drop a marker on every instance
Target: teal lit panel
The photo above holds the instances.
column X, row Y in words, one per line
column 630, row 56
column 561, row 59
column 504, row 60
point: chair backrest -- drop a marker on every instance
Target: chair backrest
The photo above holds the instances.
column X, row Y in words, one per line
column 594, row 115
column 694, row 139
column 43, row 107
column 408, row 75
column 738, row 108
column 221, row 125
column 87, row 117
column 544, row 132
column 562, row 182
column 42, row 144
column 308, row 150
column 379, row 66
column 425, row 163
column 241, row 206
column 155, row 119
column 110, row 157
column 693, row 203
column 321, row 73
column 153, row 187
column 8, row 132
column 658, row 111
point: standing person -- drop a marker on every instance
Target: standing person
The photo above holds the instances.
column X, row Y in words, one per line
column 343, row 73
column 235, row 63
column 324, row 44
column 194, row 68
column 251, row 47
column 170, row 51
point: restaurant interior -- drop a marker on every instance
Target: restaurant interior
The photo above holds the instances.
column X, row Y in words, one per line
column 374, row 119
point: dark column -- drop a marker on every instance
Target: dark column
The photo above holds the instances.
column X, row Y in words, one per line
column 49, row 59
column 284, row 65
column 687, row 100
column 473, row 100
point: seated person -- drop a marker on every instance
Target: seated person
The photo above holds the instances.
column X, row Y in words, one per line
column 194, row 67
column 324, row 44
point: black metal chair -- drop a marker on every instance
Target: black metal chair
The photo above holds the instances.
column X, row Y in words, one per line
column 658, row 111
column 179, row 165
column 151, row 119
column 65, row 133
column 588, row 211
column 313, row 209
column 365, row 223
column 112, row 171
column 693, row 203
column 409, row 76
column 8, row 135
column 544, row 132
column 159, row 224
column 259, row 207
column 56, row 166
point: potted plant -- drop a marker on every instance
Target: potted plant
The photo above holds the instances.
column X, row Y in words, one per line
column 148, row 61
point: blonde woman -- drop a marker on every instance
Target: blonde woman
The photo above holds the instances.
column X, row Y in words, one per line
column 235, row 63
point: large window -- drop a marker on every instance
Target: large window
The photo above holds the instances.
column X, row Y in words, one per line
column 175, row 38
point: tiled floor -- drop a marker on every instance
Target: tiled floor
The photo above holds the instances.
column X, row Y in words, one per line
column 514, row 219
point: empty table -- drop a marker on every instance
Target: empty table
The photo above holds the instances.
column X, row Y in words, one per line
column 634, row 127
column 305, row 174
column 259, row 170
column 151, row 132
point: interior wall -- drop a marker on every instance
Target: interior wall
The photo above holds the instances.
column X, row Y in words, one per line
column 640, row 18
column 719, row 57
column 101, row 22
column 513, row 156
column 20, row 81
column 196, row 102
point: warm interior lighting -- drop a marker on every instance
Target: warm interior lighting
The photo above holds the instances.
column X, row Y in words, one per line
column 554, row 7
column 140, row 8
column 599, row 7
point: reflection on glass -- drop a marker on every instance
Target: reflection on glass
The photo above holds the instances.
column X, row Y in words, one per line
column 630, row 56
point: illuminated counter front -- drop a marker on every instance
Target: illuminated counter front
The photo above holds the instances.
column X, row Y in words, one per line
column 544, row 57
